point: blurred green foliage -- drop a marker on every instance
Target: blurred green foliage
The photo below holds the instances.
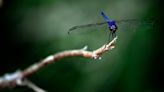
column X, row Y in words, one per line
column 37, row 28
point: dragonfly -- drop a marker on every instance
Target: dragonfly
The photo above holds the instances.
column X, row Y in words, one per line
column 111, row 24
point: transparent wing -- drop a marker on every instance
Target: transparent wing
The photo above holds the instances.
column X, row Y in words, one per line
column 84, row 26
column 136, row 21
column 129, row 21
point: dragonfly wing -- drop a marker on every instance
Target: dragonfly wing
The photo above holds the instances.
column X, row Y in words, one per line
column 134, row 21
column 129, row 21
column 84, row 26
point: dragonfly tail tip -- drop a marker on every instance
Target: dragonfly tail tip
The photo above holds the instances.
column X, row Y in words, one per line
column 102, row 13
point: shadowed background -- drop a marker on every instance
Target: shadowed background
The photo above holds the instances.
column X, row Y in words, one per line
column 34, row 29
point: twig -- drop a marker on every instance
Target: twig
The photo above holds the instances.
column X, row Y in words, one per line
column 19, row 78
column 33, row 86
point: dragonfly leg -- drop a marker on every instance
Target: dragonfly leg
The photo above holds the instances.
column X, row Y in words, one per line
column 109, row 36
column 113, row 35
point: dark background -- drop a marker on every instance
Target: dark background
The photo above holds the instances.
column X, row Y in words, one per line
column 34, row 29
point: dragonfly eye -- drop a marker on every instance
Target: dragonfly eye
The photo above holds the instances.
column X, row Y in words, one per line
column 113, row 27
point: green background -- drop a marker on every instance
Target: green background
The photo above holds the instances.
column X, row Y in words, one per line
column 34, row 29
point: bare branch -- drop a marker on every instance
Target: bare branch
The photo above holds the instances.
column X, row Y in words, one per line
column 19, row 78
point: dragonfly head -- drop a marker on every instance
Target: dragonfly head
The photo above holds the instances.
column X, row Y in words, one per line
column 113, row 28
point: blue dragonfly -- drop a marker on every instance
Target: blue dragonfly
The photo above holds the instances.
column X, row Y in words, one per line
column 112, row 24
